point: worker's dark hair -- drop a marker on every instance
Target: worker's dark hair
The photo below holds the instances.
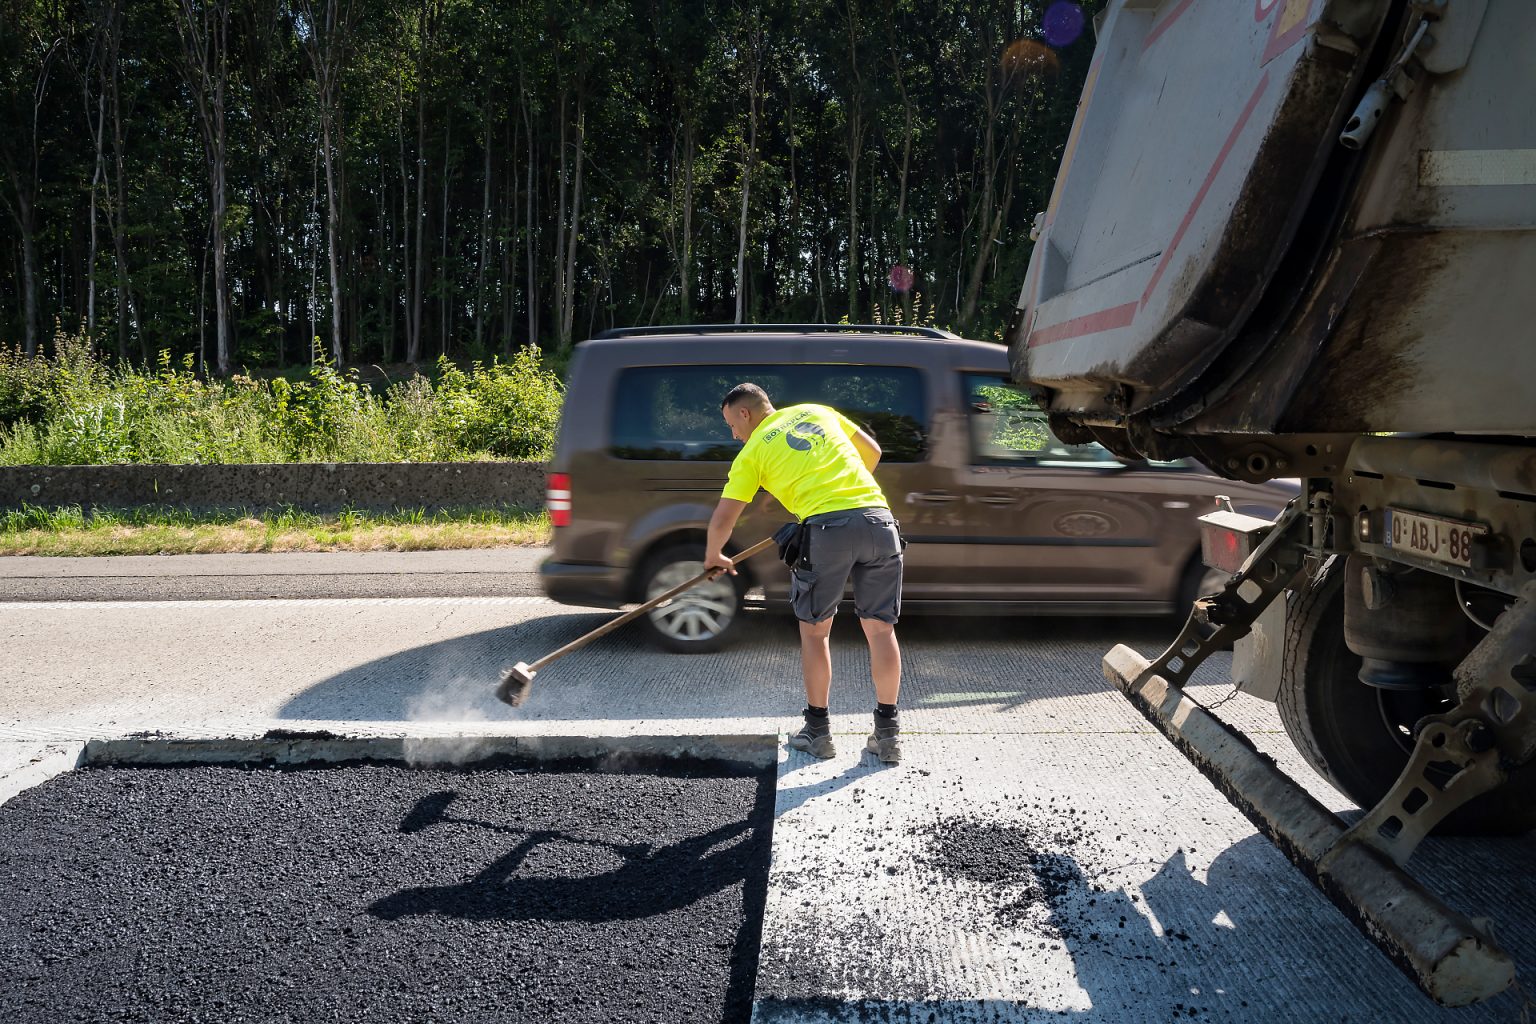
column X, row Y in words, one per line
column 746, row 394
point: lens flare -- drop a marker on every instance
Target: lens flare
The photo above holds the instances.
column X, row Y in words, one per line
column 901, row 279
column 1063, row 23
column 1026, row 58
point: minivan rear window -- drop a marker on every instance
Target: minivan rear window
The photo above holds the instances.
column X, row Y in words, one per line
column 673, row 412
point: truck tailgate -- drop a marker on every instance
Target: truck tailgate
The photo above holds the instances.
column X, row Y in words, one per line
column 1200, row 136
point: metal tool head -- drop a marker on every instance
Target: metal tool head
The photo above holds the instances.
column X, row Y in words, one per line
column 515, row 684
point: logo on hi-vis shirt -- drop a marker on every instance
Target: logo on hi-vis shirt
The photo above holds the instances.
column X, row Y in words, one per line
column 804, row 436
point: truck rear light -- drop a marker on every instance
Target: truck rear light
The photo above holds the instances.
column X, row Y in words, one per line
column 1228, row 538
column 557, row 498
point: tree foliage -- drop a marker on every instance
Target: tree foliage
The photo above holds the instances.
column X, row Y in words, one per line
column 407, row 179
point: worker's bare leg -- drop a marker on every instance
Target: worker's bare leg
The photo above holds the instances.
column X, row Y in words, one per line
column 816, row 661
column 884, row 659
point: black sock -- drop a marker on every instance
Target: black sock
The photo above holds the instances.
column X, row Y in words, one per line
column 814, row 712
column 886, row 711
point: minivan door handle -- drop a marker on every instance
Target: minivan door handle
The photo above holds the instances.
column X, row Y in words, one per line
column 931, row 498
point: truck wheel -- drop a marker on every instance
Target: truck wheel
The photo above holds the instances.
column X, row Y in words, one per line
column 1359, row 737
column 704, row 618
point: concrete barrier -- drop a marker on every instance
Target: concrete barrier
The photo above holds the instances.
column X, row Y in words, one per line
column 313, row 487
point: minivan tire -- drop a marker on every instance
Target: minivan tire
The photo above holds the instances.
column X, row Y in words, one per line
column 1343, row 728
column 705, row 618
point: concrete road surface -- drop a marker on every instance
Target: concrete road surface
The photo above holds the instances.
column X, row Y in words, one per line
column 1041, row 854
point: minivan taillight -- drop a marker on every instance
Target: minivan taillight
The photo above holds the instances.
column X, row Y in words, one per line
column 558, row 499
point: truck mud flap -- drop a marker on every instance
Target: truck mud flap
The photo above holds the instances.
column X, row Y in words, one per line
column 1442, row 950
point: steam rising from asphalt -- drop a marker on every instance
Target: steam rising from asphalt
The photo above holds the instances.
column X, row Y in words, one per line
column 457, row 699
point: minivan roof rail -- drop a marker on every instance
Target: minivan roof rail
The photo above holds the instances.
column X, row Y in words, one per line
column 703, row 329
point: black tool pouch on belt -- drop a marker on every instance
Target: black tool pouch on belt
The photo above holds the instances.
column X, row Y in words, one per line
column 791, row 541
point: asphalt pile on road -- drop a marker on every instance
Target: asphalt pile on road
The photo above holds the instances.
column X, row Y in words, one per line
column 1046, row 879
column 1030, row 870
column 370, row 893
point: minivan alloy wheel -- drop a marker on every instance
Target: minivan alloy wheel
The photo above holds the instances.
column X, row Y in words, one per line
column 699, row 619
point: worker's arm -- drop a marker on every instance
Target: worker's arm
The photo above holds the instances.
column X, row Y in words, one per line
column 867, row 447
column 721, row 523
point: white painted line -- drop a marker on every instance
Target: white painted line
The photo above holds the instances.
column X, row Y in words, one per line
column 1444, row 168
column 291, row 602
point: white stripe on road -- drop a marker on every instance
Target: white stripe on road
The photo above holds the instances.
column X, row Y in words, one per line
column 291, row 602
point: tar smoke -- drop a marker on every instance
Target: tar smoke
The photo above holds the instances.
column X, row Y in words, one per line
column 447, row 699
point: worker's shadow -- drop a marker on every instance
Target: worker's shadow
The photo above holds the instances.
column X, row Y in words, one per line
column 647, row 881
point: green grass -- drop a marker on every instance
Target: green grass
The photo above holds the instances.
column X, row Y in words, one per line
column 71, row 531
column 72, row 408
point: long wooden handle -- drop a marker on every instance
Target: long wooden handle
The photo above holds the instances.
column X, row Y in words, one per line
column 635, row 613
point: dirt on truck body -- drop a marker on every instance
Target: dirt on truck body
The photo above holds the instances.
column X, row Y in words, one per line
column 1294, row 238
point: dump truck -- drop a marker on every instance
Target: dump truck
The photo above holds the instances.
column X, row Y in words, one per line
column 1297, row 238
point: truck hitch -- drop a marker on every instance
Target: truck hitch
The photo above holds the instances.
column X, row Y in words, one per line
column 1487, row 735
column 1452, row 959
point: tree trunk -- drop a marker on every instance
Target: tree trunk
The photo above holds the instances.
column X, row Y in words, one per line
column 25, row 219
column 204, row 35
column 119, row 202
column 221, row 197
column 386, row 245
column 853, row 140
column 412, row 345
column 988, row 215
column 507, row 285
column 560, row 227
column 749, row 160
column 96, row 176
column 855, row 143
column 325, row 44
column 567, row 326
column 485, row 232
column 443, row 305
column 414, row 356
column 530, row 180
column 333, row 231
column 903, row 233
column 690, row 150
column 314, row 263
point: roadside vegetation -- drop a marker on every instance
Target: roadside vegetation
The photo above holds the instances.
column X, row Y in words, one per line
column 73, row 408
column 71, row 531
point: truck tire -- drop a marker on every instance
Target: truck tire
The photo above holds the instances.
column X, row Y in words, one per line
column 704, row 618
column 1359, row 737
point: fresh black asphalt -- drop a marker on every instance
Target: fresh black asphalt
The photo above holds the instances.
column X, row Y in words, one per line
column 370, row 893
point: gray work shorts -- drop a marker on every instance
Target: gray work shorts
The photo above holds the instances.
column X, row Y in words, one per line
column 864, row 543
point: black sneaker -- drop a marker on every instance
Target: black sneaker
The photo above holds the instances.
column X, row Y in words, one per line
column 814, row 737
column 885, row 742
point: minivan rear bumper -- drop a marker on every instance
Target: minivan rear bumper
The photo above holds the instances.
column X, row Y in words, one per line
column 594, row 586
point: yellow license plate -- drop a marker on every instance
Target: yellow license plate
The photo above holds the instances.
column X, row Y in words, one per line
column 1450, row 541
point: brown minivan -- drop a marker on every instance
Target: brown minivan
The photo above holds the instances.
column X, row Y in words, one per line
column 999, row 516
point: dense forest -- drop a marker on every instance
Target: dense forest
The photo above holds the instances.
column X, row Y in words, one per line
column 403, row 179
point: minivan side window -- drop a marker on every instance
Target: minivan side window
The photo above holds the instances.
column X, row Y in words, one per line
column 1007, row 427
column 673, row 412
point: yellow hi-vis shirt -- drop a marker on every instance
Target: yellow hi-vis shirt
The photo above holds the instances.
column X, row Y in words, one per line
column 804, row 456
